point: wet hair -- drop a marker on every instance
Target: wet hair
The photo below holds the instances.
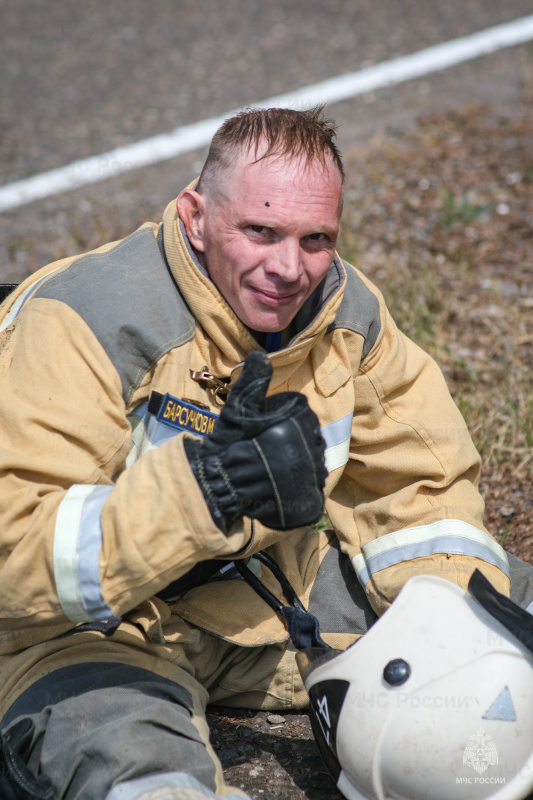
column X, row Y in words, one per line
column 285, row 132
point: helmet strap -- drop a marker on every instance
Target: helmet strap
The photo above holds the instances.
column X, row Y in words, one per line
column 304, row 628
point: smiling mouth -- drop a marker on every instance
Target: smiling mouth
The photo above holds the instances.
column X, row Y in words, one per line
column 273, row 298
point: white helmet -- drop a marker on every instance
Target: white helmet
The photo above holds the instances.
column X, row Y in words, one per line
column 435, row 702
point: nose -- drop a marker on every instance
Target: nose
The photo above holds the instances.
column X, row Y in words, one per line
column 285, row 261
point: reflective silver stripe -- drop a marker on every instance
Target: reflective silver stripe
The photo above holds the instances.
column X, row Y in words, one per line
column 77, row 544
column 530, row 607
column 88, row 560
column 147, row 433
column 337, row 436
column 444, row 536
column 137, row 419
column 158, row 433
column 130, row 790
column 19, row 302
column 361, row 570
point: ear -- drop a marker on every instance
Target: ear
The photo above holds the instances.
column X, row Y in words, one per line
column 191, row 209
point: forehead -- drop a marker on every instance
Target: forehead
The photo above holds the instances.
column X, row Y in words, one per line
column 275, row 179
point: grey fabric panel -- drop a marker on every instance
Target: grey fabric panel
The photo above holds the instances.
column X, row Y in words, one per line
column 88, row 743
column 521, row 581
column 341, row 606
column 319, row 298
column 337, row 598
column 359, row 310
column 130, row 301
column 78, row 679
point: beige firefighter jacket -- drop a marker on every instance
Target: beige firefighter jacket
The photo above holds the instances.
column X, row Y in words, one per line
column 99, row 510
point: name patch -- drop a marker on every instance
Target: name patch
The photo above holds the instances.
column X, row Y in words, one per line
column 185, row 417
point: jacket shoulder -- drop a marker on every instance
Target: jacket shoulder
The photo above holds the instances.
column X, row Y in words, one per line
column 129, row 300
column 359, row 310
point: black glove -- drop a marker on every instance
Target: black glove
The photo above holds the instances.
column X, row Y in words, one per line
column 265, row 457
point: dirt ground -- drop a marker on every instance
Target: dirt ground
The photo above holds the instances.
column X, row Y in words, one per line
column 270, row 755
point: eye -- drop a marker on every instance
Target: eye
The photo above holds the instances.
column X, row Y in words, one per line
column 259, row 229
column 319, row 241
column 321, row 237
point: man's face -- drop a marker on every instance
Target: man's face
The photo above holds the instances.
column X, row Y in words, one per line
column 268, row 238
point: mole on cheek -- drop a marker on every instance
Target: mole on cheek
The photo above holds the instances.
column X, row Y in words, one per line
column 267, row 204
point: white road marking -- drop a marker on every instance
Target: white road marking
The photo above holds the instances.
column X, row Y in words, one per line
column 187, row 138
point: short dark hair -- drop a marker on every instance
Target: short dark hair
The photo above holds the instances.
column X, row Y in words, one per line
column 285, row 131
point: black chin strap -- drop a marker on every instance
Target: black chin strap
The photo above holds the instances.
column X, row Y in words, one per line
column 518, row 621
column 303, row 627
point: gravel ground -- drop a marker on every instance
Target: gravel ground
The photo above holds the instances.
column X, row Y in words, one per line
column 270, row 755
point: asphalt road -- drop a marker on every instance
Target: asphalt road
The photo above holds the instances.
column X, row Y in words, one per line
column 82, row 78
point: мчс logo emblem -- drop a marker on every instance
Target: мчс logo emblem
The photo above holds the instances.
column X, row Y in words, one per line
column 480, row 752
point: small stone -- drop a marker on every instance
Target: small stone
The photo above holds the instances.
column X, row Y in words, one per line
column 276, row 719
